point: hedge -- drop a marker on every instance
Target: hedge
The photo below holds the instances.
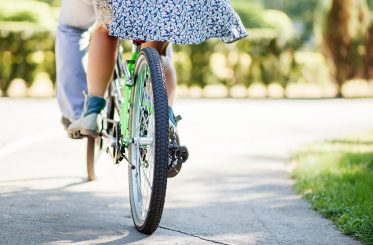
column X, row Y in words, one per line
column 261, row 58
column 268, row 55
column 24, row 52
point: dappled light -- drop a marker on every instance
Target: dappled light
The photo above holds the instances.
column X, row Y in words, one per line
column 259, row 134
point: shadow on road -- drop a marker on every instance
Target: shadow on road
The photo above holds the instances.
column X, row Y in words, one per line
column 57, row 215
column 253, row 205
column 18, row 185
column 63, row 214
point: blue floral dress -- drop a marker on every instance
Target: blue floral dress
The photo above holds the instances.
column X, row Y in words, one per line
column 175, row 21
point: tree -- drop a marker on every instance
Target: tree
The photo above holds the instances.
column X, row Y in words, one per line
column 345, row 35
column 300, row 11
column 368, row 72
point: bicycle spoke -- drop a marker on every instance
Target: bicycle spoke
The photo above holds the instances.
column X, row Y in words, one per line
column 147, row 180
column 143, row 155
column 148, row 120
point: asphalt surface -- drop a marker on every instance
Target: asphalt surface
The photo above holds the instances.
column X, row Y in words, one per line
column 235, row 189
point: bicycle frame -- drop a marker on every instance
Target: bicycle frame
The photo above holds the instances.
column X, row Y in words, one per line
column 123, row 85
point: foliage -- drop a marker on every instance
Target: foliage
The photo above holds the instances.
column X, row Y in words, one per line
column 27, row 40
column 54, row 3
column 370, row 5
column 28, row 11
column 251, row 14
column 263, row 57
column 25, row 53
column 337, row 178
column 254, row 15
column 300, row 11
column 268, row 55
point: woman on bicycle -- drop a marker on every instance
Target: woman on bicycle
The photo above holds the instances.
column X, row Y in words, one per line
column 159, row 23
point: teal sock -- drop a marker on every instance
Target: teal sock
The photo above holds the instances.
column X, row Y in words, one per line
column 95, row 104
column 171, row 115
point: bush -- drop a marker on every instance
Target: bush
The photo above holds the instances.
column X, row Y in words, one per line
column 28, row 11
column 27, row 41
column 260, row 58
column 251, row 14
column 267, row 56
column 24, row 52
column 263, row 57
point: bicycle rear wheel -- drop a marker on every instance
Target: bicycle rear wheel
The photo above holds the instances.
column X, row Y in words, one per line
column 148, row 120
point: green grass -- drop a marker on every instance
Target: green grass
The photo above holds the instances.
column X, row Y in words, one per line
column 337, row 178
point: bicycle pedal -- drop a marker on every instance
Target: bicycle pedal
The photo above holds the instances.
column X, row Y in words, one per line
column 178, row 118
column 75, row 135
column 174, row 170
column 183, row 154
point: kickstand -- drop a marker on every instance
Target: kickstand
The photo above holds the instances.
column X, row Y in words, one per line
column 133, row 167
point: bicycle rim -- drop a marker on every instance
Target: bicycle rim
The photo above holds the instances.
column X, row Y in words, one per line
column 149, row 119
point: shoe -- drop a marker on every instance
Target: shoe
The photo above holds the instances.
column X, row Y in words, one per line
column 84, row 127
column 87, row 125
column 65, row 122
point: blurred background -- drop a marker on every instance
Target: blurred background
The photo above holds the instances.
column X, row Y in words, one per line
column 243, row 151
column 295, row 49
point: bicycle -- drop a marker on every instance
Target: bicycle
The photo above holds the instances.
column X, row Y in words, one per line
column 135, row 128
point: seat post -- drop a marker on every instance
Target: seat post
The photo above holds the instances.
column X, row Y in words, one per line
column 137, row 46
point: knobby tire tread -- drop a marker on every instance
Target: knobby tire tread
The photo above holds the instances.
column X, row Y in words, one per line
column 161, row 141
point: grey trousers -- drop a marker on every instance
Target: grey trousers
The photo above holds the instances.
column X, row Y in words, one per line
column 75, row 18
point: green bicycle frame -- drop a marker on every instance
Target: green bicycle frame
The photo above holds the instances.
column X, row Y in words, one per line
column 128, row 84
column 126, row 93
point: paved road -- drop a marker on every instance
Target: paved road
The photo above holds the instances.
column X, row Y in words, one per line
column 235, row 188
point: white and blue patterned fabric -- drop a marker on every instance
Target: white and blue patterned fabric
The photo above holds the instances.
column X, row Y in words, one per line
column 175, row 21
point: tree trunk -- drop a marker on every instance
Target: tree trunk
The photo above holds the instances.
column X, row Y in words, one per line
column 368, row 71
column 337, row 40
column 344, row 33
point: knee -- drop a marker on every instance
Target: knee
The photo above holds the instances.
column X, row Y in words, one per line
column 102, row 33
column 102, row 29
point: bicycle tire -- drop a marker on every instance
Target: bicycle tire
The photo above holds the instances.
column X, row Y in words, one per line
column 149, row 222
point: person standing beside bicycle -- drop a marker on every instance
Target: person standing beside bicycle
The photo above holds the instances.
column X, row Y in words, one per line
column 76, row 17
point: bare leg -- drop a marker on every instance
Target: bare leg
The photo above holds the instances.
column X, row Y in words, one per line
column 170, row 72
column 101, row 61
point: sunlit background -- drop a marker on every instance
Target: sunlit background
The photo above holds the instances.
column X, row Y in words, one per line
column 296, row 49
column 251, row 161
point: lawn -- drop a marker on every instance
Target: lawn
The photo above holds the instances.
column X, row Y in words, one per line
column 336, row 176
